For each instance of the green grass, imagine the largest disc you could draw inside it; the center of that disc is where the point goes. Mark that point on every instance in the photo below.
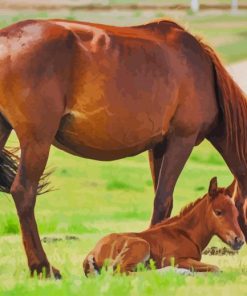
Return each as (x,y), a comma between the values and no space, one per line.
(95,198)
(68,256)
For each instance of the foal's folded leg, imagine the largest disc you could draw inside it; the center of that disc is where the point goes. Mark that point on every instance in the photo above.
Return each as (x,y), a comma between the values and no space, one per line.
(197,266)
(134,251)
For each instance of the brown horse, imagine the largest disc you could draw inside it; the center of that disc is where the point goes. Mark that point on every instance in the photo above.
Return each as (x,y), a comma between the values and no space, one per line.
(235,192)
(182,237)
(105,93)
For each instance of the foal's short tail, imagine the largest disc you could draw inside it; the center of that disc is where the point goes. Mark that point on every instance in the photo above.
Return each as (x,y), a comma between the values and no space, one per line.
(233,103)
(90,267)
(9,162)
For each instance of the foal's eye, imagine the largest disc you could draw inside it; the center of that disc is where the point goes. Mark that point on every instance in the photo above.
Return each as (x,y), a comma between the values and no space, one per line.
(218,212)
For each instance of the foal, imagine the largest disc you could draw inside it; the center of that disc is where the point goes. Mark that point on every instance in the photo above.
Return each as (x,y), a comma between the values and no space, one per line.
(182,237)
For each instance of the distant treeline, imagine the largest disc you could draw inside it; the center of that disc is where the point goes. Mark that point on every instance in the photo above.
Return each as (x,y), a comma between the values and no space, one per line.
(115,5)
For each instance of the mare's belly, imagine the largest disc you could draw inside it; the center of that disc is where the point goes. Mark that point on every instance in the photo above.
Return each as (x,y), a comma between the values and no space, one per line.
(105,135)
(120,102)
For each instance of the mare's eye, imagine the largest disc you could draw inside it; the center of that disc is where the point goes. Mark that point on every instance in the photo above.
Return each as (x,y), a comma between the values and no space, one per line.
(218,212)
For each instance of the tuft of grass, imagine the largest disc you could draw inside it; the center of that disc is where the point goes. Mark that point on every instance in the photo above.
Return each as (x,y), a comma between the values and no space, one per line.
(137,13)
(9,225)
(159,14)
(121,185)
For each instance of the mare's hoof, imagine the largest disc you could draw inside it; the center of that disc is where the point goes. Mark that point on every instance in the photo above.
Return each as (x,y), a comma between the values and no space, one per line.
(45,271)
(57,275)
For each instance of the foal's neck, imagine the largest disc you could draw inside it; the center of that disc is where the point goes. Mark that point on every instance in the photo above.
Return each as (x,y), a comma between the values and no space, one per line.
(195,225)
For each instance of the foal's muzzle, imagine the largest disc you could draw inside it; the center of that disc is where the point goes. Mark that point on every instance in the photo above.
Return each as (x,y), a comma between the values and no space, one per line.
(236,243)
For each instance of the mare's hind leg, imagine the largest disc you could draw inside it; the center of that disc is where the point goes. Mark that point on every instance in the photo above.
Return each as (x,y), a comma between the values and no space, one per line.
(32,163)
(155,160)
(177,151)
(5,130)
(35,135)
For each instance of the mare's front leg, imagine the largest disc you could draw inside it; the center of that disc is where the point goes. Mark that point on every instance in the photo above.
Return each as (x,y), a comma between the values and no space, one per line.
(175,154)
(196,266)
(41,115)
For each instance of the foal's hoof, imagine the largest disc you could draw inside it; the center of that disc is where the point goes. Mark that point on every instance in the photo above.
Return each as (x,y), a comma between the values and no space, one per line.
(215,269)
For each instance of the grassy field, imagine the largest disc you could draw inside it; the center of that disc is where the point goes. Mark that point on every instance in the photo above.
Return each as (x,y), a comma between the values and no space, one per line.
(94,198)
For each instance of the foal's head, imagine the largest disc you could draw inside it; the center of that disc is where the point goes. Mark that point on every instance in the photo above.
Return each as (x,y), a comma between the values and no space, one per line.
(222,216)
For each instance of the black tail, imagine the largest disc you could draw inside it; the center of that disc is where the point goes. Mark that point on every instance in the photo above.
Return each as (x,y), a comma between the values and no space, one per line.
(9,162)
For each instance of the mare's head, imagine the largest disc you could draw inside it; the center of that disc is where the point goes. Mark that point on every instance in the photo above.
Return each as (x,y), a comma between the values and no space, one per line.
(222,216)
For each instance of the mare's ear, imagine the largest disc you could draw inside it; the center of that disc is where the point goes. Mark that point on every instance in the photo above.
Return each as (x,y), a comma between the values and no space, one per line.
(213,187)
(231,188)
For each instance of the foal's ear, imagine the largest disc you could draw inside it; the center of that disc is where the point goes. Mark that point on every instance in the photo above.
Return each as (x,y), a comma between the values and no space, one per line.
(213,187)
(231,188)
